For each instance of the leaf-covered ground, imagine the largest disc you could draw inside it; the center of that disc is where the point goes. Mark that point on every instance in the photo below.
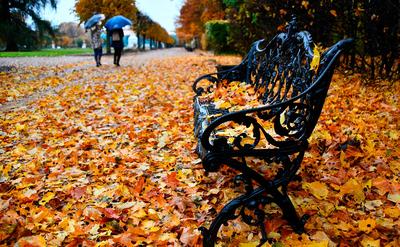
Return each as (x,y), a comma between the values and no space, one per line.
(108,159)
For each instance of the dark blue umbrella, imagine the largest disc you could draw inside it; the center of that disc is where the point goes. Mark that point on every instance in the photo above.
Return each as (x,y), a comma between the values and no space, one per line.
(117,22)
(94,20)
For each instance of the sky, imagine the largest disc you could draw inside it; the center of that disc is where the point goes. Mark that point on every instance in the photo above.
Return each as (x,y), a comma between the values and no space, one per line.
(164,12)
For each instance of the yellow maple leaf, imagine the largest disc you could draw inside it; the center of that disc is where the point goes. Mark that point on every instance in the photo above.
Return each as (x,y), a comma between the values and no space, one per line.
(21,127)
(354,188)
(367,225)
(140,213)
(46,198)
(369,147)
(370,242)
(173,221)
(393,212)
(222,104)
(321,134)
(19,150)
(316,58)
(317,189)
(395,166)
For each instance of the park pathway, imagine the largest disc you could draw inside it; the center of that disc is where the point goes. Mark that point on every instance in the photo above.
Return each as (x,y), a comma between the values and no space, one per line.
(64,66)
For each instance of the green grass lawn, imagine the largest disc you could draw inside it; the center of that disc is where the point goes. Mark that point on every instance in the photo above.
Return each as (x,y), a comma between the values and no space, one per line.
(47,52)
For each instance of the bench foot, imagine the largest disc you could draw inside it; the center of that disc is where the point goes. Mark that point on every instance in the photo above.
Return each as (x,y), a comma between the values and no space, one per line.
(254,201)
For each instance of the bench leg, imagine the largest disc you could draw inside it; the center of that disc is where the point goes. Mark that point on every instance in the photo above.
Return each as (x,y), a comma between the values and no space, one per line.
(254,200)
(289,212)
(230,212)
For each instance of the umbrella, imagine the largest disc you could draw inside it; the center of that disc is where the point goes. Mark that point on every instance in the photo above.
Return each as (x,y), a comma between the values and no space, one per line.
(94,20)
(117,22)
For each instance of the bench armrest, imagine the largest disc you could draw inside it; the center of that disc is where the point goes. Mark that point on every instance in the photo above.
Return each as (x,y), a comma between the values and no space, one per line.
(224,72)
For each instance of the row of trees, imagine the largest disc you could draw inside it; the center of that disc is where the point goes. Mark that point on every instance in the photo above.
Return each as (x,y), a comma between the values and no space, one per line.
(146,28)
(16,34)
(374,24)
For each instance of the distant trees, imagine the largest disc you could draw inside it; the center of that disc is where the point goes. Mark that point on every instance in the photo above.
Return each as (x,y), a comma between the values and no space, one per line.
(374,24)
(146,28)
(14,32)
(142,24)
(70,34)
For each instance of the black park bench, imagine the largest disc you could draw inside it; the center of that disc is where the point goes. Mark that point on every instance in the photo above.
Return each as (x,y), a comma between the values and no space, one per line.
(264,138)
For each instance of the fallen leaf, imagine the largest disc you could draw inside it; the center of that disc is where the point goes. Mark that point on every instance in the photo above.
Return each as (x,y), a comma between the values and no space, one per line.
(317,189)
(367,225)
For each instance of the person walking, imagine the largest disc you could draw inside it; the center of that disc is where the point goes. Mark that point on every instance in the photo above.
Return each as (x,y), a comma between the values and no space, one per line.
(97,43)
(117,43)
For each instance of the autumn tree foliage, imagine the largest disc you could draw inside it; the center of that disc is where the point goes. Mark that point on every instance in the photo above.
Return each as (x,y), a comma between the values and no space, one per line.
(194,14)
(146,28)
(157,35)
(373,24)
(142,24)
(86,8)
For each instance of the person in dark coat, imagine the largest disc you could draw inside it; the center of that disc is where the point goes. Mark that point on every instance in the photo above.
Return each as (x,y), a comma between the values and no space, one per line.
(117,43)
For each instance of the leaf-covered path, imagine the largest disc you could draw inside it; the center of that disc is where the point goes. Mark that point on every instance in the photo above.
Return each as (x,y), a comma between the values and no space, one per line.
(45,75)
(106,156)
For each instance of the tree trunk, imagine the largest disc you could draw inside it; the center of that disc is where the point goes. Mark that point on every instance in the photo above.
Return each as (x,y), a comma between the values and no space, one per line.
(138,41)
(372,67)
(11,43)
(5,18)
(144,42)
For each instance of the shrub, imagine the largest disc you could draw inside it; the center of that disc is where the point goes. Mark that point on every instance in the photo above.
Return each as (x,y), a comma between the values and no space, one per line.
(217,32)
